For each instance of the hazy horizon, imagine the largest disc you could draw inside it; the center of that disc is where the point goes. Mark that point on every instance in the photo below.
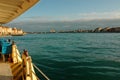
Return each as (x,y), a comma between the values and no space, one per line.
(33,26)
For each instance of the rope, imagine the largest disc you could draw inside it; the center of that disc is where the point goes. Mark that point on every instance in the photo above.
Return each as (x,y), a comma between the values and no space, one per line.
(40,71)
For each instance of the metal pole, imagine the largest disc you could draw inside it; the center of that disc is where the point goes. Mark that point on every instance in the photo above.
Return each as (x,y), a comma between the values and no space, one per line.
(41,72)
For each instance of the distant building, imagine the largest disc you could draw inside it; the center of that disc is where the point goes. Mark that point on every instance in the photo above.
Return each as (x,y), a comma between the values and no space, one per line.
(52,31)
(8,30)
(20,31)
(14,30)
(80,30)
(4,30)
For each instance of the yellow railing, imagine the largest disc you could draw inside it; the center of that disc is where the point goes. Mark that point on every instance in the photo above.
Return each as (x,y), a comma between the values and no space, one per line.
(28,66)
(29,72)
(15,54)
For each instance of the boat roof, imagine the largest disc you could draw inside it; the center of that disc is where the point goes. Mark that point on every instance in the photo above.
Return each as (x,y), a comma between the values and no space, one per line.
(10,9)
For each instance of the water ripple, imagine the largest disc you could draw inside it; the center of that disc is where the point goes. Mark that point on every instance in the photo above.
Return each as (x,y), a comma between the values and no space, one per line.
(84,56)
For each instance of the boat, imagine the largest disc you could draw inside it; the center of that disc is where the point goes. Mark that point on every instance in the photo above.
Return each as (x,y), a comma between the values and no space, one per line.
(13,65)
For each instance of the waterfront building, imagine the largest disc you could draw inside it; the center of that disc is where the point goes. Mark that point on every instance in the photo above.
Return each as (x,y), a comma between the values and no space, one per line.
(20,31)
(14,30)
(9,30)
(52,31)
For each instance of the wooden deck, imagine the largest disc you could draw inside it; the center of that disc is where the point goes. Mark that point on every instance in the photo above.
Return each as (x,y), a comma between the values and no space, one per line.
(17,71)
(9,70)
(5,71)
(13,67)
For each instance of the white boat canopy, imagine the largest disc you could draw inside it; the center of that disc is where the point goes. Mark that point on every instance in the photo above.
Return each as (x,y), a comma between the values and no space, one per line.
(10,9)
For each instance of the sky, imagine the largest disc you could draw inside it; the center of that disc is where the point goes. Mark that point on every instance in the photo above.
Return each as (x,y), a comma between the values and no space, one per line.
(70,10)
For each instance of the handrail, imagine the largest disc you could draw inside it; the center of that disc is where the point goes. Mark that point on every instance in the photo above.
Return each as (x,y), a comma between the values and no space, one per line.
(28,65)
(40,71)
(16,53)
(29,71)
(30,68)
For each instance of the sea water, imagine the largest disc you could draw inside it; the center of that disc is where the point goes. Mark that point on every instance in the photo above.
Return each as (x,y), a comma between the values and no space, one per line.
(74,56)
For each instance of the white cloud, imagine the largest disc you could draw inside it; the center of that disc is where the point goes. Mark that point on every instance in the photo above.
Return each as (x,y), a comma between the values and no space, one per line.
(81,16)
(102,15)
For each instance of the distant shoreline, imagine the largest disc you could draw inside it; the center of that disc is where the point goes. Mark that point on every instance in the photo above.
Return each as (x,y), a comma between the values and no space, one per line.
(97,30)
(67,32)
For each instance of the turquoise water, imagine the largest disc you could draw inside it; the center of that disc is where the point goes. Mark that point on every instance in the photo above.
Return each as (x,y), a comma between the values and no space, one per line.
(74,56)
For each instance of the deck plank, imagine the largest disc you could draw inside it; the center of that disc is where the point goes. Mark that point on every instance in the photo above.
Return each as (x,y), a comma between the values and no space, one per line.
(5,72)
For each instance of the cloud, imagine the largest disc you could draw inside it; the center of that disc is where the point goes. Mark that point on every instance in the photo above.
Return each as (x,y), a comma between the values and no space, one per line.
(74,17)
(102,15)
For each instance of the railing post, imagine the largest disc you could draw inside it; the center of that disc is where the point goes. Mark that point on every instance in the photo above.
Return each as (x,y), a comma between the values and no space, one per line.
(14,55)
(29,71)
(27,65)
